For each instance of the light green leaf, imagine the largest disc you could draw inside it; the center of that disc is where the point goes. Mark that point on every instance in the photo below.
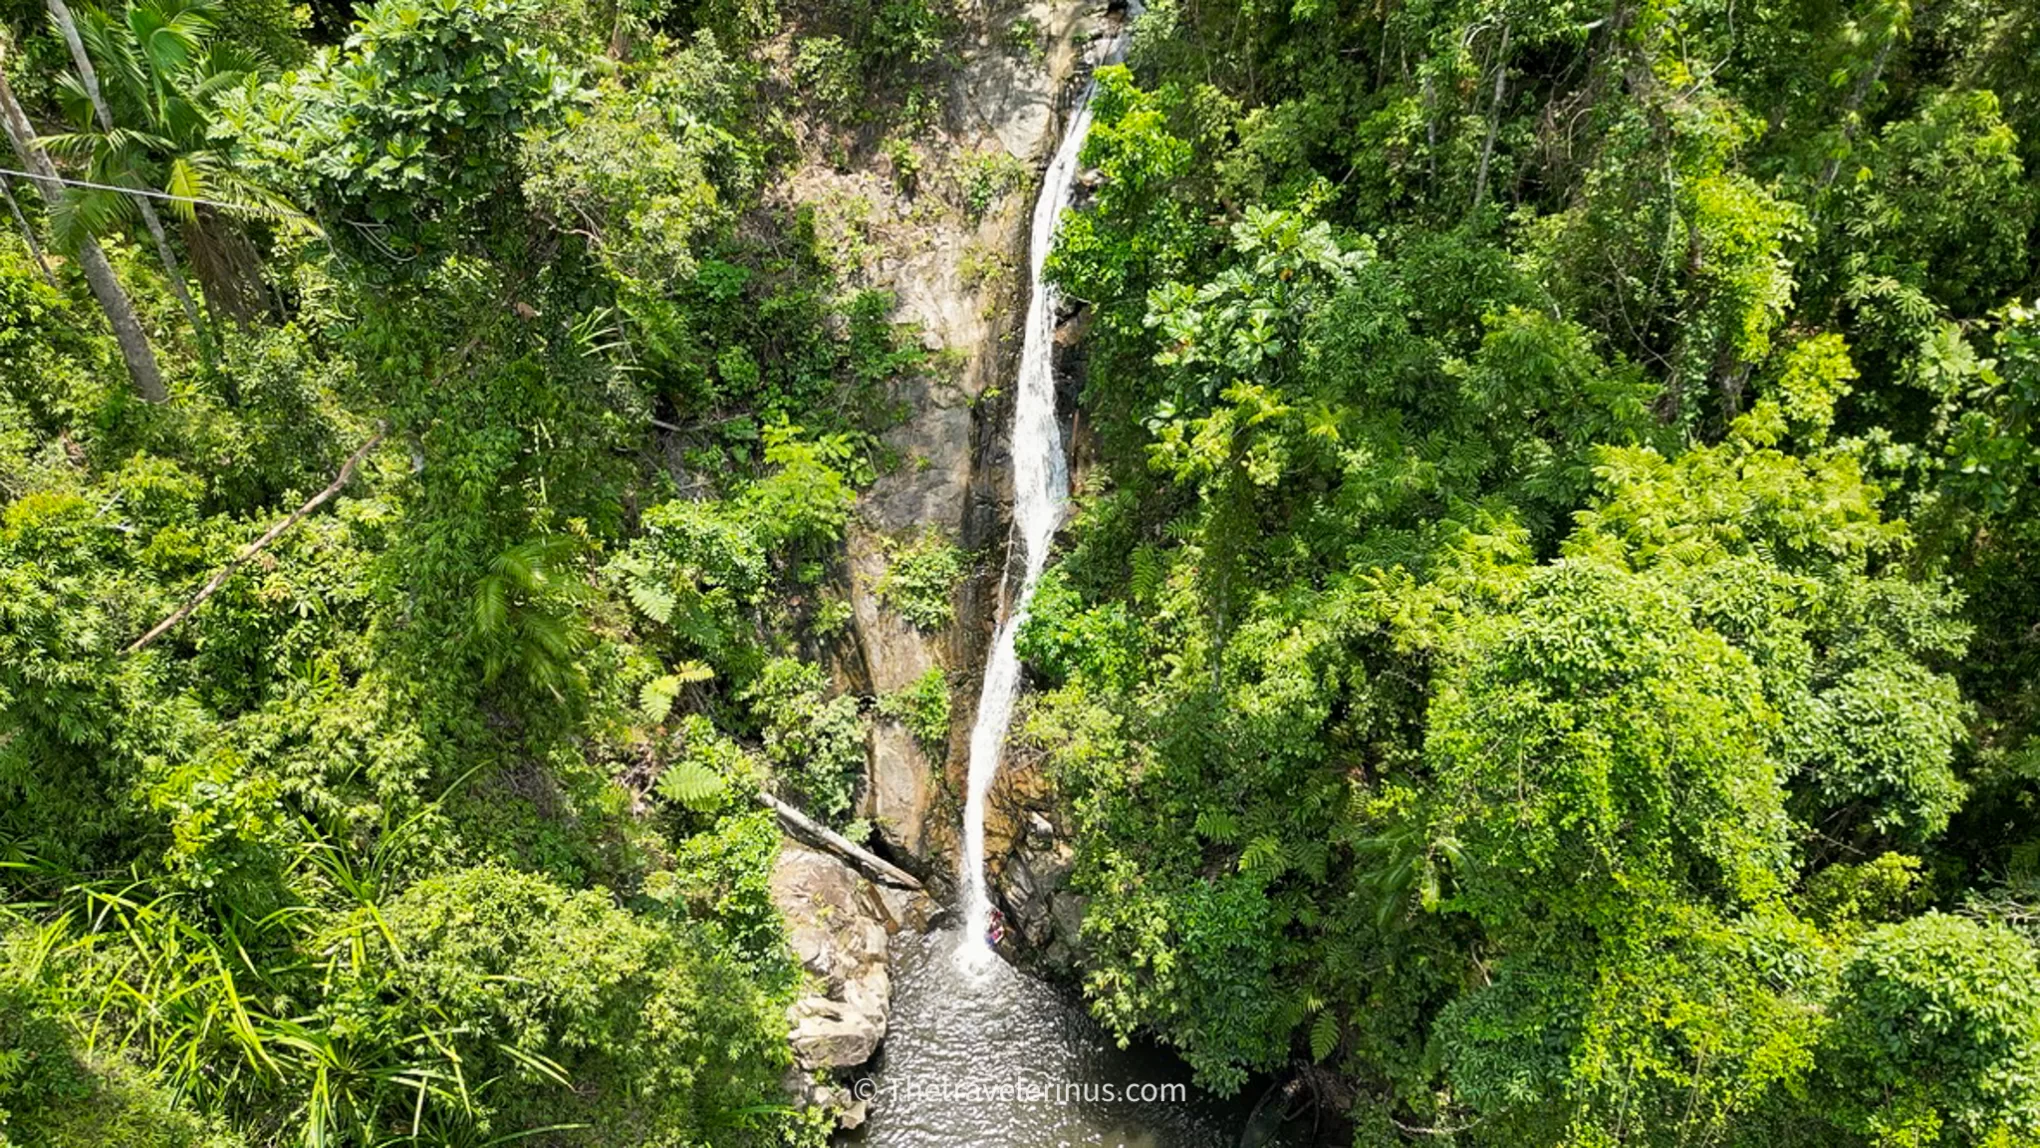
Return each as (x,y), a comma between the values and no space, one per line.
(689,783)
(1324,1035)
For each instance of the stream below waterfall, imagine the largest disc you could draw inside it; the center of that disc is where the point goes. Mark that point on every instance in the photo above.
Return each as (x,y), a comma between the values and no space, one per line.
(988,1057)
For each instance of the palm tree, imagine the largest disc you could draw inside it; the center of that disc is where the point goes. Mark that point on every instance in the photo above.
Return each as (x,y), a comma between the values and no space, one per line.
(141,106)
(120,311)
(61,14)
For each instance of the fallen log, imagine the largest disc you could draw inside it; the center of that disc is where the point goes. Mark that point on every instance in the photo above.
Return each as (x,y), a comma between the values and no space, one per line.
(874,866)
(249,551)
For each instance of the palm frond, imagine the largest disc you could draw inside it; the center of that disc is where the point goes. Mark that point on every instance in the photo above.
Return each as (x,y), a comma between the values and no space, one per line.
(188,186)
(168,34)
(77,213)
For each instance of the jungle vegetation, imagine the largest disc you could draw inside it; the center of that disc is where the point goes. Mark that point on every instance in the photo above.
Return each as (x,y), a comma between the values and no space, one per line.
(1550,638)
(433,822)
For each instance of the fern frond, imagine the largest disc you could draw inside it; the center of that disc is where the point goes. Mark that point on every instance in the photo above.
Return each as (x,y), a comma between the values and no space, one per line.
(655,697)
(1324,1035)
(690,783)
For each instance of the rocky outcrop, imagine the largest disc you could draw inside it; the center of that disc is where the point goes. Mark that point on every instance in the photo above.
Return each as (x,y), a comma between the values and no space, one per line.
(839,925)
(1034,885)
(957,270)
(1031,857)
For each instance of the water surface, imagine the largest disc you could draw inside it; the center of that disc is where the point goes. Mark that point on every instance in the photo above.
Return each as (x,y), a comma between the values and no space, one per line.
(992,1058)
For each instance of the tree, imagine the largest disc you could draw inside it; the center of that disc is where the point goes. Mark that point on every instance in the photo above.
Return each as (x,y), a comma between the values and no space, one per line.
(406,141)
(120,311)
(173,24)
(144,117)
(1936,1035)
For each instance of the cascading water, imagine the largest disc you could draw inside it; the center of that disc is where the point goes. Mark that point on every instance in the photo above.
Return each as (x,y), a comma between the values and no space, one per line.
(976,1052)
(1040,494)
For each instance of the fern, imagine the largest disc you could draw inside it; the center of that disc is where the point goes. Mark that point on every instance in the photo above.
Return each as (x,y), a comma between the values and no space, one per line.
(653,598)
(1262,857)
(655,697)
(1324,1035)
(1149,571)
(523,616)
(1217,825)
(692,784)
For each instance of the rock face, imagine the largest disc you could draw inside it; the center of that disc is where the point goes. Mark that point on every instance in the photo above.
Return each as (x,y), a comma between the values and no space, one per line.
(901,790)
(958,272)
(1031,857)
(839,925)
(956,262)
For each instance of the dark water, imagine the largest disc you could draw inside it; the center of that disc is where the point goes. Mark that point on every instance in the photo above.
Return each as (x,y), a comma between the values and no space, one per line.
(996,1059)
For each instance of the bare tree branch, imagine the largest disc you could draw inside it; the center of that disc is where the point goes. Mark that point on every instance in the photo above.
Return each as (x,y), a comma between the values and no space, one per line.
(268,536)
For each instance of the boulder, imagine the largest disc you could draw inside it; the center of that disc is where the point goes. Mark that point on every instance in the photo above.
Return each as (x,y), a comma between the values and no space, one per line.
(838,926)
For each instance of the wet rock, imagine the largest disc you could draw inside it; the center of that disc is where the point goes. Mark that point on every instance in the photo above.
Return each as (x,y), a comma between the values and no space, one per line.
(1040,832)
(840,925)
(910,912)
(959,278)
(1033,858)
(1020,793)
(1034,878)
(1067,911)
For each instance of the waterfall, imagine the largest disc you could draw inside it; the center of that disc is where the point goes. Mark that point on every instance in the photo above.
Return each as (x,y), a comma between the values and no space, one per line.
(1040,494)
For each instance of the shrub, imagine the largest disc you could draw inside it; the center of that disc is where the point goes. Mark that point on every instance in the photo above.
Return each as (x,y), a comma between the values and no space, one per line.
(923,707)
(825,74)
(814,742)
(711,770)
(649,1024)
(920,581)
(902,33)
(906,164)
(1938,1027)
(987,177)
(55,1094)
(1025,38)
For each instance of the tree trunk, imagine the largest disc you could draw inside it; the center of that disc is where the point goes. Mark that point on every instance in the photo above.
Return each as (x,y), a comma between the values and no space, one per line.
(270,535)
(1851,117)
(874,866)
(27,232)
(1487,148)
(120,313)
(61,13)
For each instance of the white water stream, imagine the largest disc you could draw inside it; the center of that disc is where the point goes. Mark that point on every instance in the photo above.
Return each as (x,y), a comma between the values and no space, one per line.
(1040,495)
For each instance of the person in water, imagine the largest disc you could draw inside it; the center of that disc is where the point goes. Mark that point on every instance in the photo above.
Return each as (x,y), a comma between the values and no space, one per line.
(995,931)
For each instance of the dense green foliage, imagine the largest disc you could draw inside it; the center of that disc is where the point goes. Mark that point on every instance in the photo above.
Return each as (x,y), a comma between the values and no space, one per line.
(920,580)
(434,824)
(1557,613)
(1550,637)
